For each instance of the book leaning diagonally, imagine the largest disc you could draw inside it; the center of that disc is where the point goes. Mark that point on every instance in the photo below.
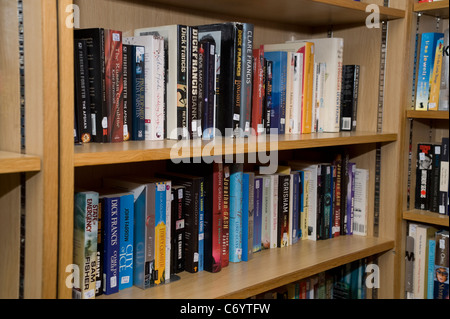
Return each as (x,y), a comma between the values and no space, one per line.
(329,51)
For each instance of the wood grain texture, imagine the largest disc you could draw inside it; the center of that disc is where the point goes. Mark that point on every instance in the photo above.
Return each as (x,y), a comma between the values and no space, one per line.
(424,216)
(268,269)
(11,162)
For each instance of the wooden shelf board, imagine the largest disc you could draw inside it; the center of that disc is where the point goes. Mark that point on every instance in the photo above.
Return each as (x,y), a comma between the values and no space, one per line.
(298,12)
(11,162)
(435,9)
(432,115)
(267,270)
(428,217)
(141,151)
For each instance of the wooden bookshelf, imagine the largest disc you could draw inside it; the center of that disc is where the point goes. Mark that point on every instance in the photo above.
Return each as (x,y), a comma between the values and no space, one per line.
(435,9)
(140,151)
(266,270)
(299,12)
(432,115)
(18,163)
(423,216)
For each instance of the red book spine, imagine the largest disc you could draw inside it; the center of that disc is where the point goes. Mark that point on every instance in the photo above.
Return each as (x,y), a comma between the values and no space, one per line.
(258,91)
(217,216)
(114,84)
(226,216)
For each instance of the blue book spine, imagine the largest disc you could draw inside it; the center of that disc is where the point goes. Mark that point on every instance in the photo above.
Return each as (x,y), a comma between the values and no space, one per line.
(426,63)
(140,229)
(430,270)
(201,228)
(245,215)
(111,245)
(257,226)
(296,229)
(126,242)
(235,244)
(279,76)
(138,93)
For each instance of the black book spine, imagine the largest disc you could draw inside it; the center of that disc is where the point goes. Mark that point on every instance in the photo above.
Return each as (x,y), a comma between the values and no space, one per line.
(349,97)
(434,182)
(82,97)
(423,175)
(247,79)
(201,87)
(237,97)
(320,203)
(443,179)
(182,103)
(193,81)
(178,227)
(268,98)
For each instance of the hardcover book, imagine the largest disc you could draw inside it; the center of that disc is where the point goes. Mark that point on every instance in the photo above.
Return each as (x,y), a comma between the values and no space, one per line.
(137,93)
(82,96)
(85,243)
(95,41)
(258,92)
(226,217)
(127,89)
(114,85)
(176,48)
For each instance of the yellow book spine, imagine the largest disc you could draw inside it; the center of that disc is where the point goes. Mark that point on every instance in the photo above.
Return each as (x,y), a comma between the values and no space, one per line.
(435,79)
(308,88)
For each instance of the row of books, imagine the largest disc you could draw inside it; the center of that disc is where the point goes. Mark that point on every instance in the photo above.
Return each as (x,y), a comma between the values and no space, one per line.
(432,184)
(144,231)
(426,262)
(180,81)
(344,282)
(432,91)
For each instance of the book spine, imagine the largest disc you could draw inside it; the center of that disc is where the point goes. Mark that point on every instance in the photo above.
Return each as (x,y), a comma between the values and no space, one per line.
(245,215)
(160,233)
(296,199)
(274,210)
(278,109)
(283,214)
(235,245)
(127,91)
(226,216)
(138,91)
(443,178)
(435,78)
(430,268)
(258,204)
(267,198)
(337,178)
(178,208)
(82,96)
(247,79)
(100,250)
(444,91)
(409,262)
(308,80)
(126,241)
(208,111)
(111,211)
(310,200)
(361,202)
(350,198)
(251,216)
(198,124)
(296,120)
(441,266)
(168,229)
(268,95)
(217,216)
(327,172)
(350,77)
(182,75)
(114,85)
(237,97)
(201,226)
(426,62)
(320,205)
(258,91)
(157,106)
(434,179)
(193,82)
(423,175)
(85,243)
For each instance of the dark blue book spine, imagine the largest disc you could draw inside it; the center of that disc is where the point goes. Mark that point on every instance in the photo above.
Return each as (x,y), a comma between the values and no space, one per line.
(111,206)
(245,215)
(296,229)
(138,93)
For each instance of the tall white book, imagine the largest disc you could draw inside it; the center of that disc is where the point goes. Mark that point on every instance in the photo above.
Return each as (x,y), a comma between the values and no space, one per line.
(361,202)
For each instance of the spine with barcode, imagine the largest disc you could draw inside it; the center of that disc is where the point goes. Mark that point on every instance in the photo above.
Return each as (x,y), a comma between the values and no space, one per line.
(349,97)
